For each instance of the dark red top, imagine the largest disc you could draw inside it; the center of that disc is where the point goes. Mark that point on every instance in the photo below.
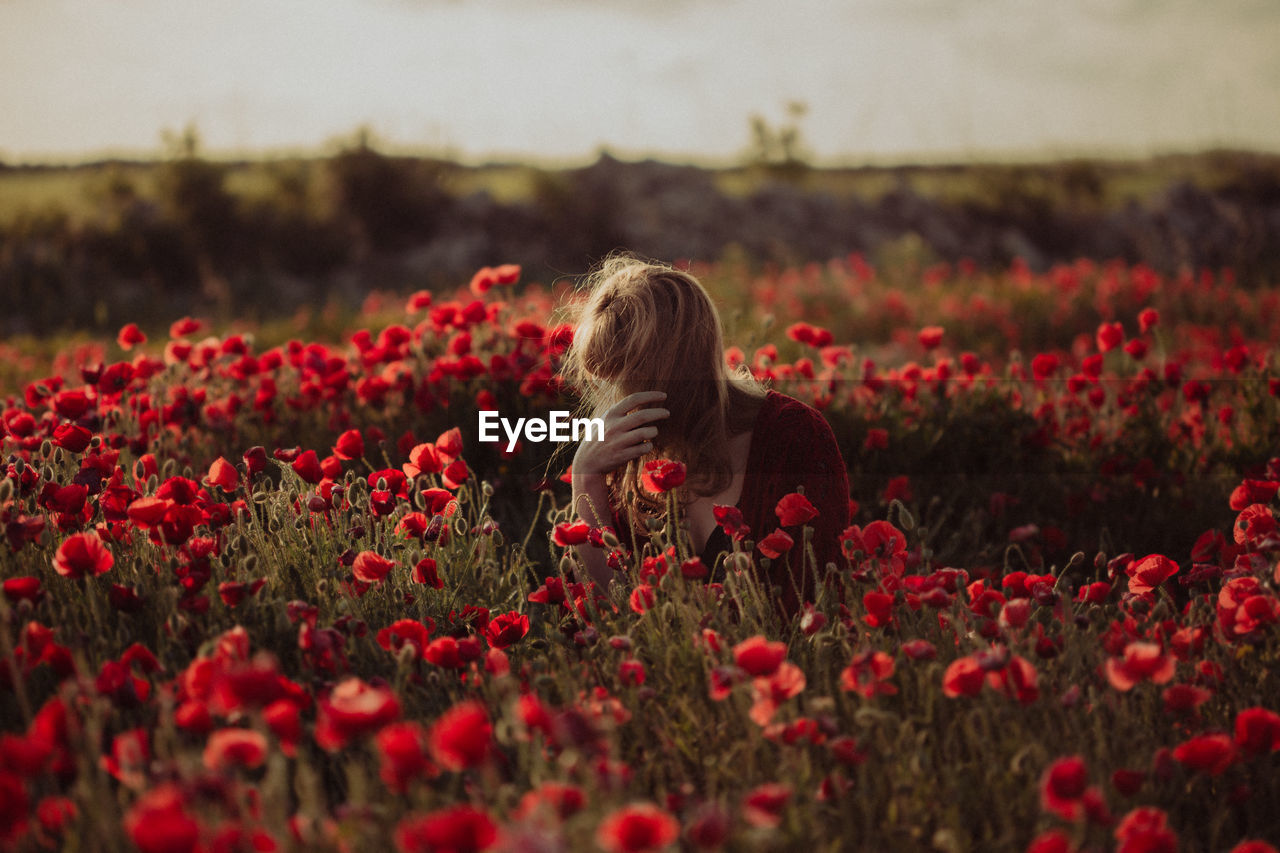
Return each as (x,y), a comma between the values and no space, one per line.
(792,445)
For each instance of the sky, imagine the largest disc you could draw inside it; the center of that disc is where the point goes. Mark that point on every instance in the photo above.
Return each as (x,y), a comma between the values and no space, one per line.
(559,80)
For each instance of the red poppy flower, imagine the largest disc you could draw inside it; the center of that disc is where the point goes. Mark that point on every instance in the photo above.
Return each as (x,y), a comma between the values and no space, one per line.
(730,520)
(455,474)
(130,336)
(461,737)
(159,823)
(642,598)
(1258,730)
(223,475)
(505,629)
(233,593)
(1148,319)
(1181,698)
(255,459)
(879,607)
(1062,786)
(1110,336)
(1136,349)
(457,829)
(1017,679)
(235,747)
(795,509)
(1145,830)
(877,439)
(182,328)
(897,489)
(440,502)
(402,747)
(81,555)
(23,588)
(1051,841)
(72,437)
(426,572)
(569,534)
(631,672)
(919,650)
(1253,492)
(693,569)
(1044,365)
(1149,572)
(443,652)
(351,710)
(805,333)
(307,466)
(868,673)
(759,657)
(963,677)
(1253,523)
(371,567)
(284,718)
(71,404)
(1211,753)
(769,692)
(775,544)
(405,632)
(350,445)
(1141,661)
(763,805)
(636,829)
(931,337)
(449,443)
(662,475)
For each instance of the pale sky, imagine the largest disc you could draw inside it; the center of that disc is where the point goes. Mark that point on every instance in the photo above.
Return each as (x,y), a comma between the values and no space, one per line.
(558,79)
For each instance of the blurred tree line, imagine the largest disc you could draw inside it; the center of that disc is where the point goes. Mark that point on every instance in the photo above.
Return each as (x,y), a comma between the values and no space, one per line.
(190,240)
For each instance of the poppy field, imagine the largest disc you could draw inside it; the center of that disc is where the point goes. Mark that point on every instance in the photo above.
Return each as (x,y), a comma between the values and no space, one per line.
(266,595)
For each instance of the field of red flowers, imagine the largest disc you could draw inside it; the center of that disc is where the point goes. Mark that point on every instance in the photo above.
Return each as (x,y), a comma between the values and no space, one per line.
(280,597)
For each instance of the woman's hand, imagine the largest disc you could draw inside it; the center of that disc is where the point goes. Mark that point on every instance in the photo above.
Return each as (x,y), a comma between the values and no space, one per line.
(628,434)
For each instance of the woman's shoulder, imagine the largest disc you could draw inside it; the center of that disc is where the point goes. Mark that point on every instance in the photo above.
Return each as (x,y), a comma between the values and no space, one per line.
(779,409)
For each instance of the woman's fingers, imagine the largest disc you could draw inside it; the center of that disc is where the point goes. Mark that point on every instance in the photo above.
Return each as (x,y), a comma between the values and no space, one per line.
(637,418)
(637,436)
(630,401)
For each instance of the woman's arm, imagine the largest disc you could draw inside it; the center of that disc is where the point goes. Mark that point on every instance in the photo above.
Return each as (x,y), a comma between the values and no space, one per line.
(628,434)
(591,504)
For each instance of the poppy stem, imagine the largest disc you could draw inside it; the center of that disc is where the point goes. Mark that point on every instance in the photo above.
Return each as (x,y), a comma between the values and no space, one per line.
(18,679)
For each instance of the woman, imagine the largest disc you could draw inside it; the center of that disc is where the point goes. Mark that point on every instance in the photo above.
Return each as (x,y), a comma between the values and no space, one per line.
(648,356)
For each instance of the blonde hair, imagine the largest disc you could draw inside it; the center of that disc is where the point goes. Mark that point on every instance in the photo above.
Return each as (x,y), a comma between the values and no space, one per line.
(647,326)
